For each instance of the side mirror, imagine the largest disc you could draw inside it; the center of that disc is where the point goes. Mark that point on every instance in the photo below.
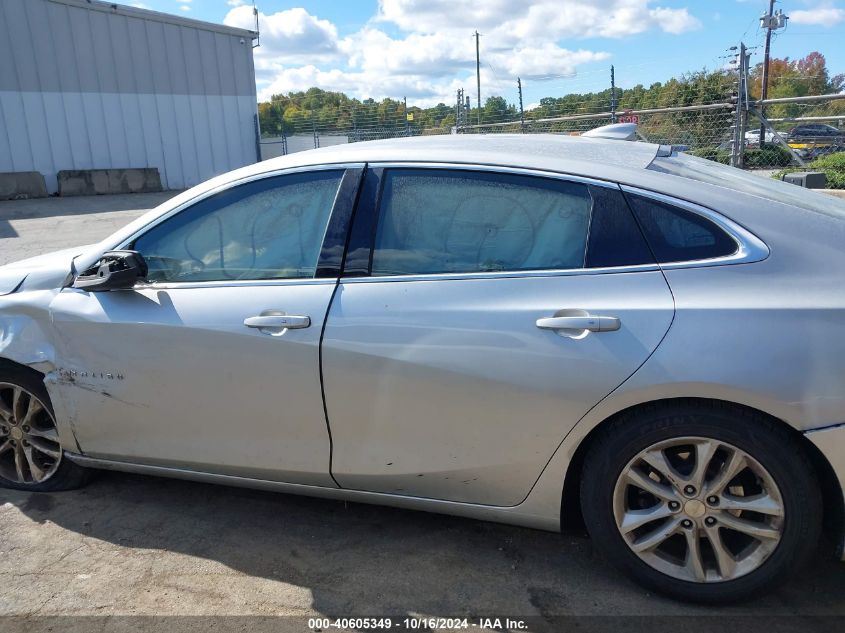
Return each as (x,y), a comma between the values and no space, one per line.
(115,270)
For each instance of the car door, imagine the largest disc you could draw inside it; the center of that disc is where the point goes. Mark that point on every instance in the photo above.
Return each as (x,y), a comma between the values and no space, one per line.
(214,364)
(481,314)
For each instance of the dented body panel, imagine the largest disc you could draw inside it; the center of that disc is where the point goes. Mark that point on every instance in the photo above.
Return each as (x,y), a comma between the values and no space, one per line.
(409,405)
(172,377)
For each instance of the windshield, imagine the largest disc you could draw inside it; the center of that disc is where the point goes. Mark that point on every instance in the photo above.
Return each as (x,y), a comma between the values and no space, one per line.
(714,173)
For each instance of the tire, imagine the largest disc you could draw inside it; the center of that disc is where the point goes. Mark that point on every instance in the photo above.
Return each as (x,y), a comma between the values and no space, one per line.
(67,475)
(615,458)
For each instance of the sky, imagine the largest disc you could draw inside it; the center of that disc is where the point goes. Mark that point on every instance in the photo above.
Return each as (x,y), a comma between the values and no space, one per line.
(424,49)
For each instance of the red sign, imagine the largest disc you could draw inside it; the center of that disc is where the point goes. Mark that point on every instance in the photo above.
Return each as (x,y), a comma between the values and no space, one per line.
(629,118)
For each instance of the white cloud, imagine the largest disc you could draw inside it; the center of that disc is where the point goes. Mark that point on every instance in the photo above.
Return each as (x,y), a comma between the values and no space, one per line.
(185,7)
(292,36)
(824,15)
(432,53)
(236,3)
(549,19)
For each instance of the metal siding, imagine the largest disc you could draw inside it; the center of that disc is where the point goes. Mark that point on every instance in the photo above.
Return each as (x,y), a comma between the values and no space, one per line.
(229,134)
(83,88)
(114,119)
(193,45)
(71,96)
(216,107)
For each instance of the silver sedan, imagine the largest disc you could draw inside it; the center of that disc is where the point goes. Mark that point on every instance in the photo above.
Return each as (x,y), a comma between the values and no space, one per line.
(500,327)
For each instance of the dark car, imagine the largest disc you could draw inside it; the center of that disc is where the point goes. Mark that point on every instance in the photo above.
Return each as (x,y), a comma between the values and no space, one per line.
(815,139)
(815,130)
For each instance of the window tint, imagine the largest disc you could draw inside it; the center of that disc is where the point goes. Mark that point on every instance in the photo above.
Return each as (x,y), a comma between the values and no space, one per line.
(442,221)
(615,238)
(268,229)
(676,235)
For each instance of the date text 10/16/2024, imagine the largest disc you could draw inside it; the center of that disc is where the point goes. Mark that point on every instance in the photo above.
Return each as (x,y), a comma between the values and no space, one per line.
(416,623)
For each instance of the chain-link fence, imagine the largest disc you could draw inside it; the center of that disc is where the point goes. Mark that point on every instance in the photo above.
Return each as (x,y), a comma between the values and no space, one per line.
(798,129)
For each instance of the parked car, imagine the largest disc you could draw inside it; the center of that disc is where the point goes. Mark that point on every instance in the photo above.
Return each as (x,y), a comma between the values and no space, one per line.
(497,327)
(816,131)
(752,137)
(814,140)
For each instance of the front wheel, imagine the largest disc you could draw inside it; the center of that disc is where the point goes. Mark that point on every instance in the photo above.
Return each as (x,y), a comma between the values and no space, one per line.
(31,457)
(701,501)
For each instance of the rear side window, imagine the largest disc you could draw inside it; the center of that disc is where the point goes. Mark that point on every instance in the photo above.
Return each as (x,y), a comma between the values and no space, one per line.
(451,221)
(615,238)
(677,235)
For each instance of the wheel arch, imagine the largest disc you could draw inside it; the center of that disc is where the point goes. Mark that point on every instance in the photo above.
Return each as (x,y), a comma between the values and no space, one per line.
(832,497)
(9,363)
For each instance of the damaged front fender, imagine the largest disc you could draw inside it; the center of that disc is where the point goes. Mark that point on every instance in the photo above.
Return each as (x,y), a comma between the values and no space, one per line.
(26,338)
(25,329)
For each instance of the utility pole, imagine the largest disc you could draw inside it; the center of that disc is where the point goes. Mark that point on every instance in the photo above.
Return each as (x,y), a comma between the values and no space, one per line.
(460,113)
(612,95)
(477,37)
(521,111)
(738,144)
(457,109)
(770,21)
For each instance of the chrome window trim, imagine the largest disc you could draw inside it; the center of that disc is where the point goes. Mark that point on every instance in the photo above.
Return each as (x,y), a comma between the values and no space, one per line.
(237,283)
(750,248)
(505,274)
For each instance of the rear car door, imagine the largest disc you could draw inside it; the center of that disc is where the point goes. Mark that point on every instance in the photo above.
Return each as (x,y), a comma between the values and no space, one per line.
(481,314)
(214,365)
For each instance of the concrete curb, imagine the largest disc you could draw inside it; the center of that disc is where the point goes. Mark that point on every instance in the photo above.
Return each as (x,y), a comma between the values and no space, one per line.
(95,182)
(839,193)
(22,185)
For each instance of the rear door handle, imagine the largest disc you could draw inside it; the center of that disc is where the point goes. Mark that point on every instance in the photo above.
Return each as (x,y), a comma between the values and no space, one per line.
(286,321)
(589,323)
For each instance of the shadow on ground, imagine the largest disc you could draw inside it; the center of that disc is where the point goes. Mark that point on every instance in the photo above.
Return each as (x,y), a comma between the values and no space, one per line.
(366,560)
(79,205)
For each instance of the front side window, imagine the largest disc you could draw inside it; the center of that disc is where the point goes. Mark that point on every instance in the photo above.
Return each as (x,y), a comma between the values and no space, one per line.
(450,221)
(267,229)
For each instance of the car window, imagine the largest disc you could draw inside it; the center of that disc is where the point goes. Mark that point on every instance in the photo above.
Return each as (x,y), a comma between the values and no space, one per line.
(267,229)
(450,221)
(677,235)
(615,239)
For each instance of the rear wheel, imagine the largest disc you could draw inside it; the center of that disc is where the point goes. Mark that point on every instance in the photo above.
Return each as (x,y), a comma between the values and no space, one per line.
(701,501)
(31,457)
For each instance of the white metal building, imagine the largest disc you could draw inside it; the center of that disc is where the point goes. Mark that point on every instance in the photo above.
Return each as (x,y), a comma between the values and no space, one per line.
(94,85)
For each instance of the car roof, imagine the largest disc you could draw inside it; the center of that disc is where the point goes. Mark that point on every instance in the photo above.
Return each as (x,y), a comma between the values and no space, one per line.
(550,152)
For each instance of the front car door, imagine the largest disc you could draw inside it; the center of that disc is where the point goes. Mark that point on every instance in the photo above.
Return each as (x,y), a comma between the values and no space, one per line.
(457,353)
(214,364)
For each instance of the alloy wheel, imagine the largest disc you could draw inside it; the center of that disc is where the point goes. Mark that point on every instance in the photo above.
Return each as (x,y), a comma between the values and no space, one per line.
(29,442)
(698,509)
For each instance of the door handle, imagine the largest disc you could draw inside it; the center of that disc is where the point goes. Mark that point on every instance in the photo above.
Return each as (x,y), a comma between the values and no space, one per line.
(589,323)
(285,321)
